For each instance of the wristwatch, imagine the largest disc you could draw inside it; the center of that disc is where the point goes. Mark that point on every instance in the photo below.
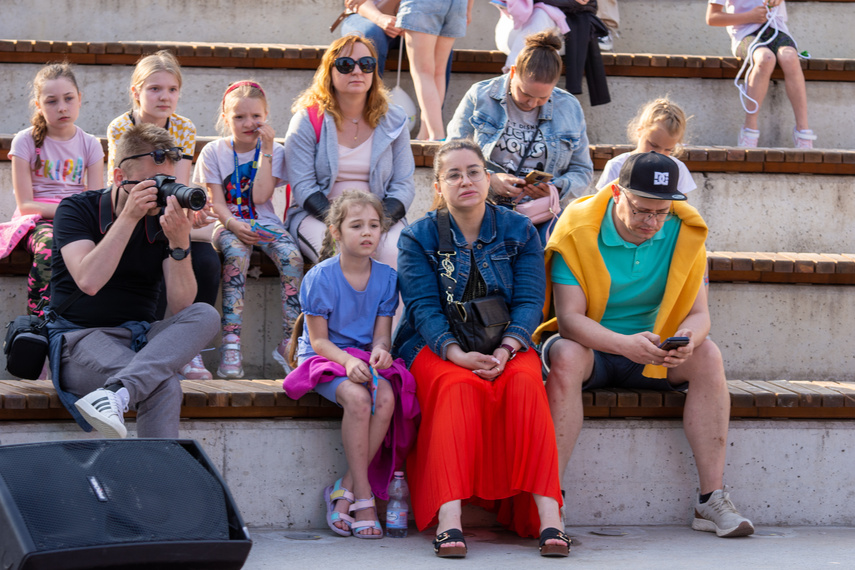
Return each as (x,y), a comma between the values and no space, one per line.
(178,254)
(511,351)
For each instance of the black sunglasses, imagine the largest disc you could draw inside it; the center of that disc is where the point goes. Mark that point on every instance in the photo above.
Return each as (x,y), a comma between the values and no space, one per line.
(159,155)
(346,65)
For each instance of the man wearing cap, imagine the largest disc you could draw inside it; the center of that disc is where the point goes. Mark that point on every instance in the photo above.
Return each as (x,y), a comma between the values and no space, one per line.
(626,268)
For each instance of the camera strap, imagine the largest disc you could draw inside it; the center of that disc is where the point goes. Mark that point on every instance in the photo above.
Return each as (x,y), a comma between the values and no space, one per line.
(236,192)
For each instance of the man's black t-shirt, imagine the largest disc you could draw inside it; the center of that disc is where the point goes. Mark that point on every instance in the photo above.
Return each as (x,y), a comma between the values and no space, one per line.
(131,293)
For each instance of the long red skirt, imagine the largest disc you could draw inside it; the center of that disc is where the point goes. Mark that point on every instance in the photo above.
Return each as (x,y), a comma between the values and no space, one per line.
(491,443)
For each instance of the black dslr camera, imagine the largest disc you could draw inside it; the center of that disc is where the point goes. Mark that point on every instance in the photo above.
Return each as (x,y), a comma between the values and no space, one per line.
(193,198)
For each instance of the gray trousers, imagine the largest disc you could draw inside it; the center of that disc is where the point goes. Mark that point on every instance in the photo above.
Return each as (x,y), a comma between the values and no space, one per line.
(94,358)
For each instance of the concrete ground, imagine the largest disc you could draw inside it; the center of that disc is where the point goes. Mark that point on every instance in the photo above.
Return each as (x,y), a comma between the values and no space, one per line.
(638,547)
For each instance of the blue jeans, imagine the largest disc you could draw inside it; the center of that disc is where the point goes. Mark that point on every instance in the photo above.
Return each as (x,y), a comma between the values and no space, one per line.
(356,24)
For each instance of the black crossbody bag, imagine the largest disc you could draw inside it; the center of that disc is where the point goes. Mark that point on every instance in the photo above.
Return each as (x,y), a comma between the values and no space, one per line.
(478,325)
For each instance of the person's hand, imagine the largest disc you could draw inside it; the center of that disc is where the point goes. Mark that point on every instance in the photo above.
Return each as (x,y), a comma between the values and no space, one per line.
(537,190)
(506,185)
(142,197)
(756,15)
(353,5)
(678,356)
(387,23)
(484,365)
(643,348)
(773,3)
(380,358)
(266,134)
(204,217)
(357,370)
(176,224)
(243,231)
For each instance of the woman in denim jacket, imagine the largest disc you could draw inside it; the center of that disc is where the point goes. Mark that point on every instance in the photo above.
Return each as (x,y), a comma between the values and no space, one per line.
(486,433)
(346,135)
(505,113)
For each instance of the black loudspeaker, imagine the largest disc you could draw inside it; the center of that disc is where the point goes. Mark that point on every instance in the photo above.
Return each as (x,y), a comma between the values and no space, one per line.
(127,503)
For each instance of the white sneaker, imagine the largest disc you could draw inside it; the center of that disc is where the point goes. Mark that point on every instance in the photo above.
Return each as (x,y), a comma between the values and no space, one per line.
(718,515)
(606,43)
(803,139)
(103,409)
(748,138)
(280,355)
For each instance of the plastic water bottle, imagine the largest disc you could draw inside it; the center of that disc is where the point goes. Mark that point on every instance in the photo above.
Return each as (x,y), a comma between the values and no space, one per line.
(397,511)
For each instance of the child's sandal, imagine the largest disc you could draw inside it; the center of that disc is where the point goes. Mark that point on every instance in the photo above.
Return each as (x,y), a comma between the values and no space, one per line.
(451,535)
(551,533)
(361,505)
(332,494)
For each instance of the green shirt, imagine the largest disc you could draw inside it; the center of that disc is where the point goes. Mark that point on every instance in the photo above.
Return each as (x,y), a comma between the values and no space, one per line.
(638,274)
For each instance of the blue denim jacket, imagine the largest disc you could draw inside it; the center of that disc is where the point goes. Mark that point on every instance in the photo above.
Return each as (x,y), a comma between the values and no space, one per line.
(510,258)
(483,114)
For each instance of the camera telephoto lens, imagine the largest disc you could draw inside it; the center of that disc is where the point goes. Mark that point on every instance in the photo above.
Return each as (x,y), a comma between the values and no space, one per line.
(188,197)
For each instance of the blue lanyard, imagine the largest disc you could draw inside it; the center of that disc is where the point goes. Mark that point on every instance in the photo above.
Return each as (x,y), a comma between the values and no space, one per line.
(237,195)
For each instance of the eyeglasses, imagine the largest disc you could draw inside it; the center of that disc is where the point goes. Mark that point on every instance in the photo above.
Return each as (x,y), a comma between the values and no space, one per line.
(346,65)
(455,178)
(647,216)
(159,155)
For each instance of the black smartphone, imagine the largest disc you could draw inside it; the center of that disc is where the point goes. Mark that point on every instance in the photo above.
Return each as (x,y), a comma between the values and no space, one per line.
(674,342)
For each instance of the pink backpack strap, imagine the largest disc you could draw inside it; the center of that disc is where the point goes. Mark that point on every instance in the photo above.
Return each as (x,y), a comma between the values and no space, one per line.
(317,119)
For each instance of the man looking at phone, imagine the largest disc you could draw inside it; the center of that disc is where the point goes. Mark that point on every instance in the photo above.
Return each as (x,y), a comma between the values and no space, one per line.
(627,268)
(116,246)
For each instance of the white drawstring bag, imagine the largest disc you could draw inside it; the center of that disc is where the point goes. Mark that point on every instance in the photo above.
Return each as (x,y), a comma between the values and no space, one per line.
(399,96)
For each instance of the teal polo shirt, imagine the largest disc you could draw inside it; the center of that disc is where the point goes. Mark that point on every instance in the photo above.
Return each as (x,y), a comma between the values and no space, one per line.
(638,275)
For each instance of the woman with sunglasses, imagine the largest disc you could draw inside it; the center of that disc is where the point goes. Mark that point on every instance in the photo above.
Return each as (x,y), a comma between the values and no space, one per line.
(346,135)
(524,123)
(486,435)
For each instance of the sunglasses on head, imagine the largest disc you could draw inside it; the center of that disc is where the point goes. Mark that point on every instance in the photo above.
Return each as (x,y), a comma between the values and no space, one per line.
(346,65)
(159,155)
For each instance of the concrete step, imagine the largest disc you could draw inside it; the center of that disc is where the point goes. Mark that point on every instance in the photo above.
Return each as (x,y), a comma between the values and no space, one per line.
(623,472)
(820,27)
(713,103)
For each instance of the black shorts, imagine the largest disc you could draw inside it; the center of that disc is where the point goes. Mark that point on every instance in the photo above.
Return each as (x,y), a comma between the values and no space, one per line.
(781,40)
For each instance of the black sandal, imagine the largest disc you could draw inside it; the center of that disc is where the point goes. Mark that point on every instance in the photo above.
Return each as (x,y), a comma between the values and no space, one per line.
(451,535)
(554,549)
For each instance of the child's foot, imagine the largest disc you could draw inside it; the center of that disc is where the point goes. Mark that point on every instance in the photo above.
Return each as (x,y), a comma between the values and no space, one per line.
(748,138)
(280,354)
(338,500)
(195,370)
(366,524)
(803,139)
(231,361)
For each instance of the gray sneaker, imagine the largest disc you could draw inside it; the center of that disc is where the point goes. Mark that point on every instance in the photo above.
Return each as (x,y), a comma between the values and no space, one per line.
(718,515)
(103,409)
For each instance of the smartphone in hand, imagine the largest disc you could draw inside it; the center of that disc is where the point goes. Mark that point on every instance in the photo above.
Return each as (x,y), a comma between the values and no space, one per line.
(673,342)
(536,177)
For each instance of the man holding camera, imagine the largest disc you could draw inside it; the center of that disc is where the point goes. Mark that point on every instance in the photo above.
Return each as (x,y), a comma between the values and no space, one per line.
(627,269)
(111,250)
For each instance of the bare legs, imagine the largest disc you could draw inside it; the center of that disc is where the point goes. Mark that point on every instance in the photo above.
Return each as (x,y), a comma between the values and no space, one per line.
(428,56)
(794,83)
(362,434)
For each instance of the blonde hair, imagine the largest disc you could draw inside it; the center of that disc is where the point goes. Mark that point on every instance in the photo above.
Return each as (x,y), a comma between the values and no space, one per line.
(322,93)
(237,90)
(163,60)
(539,60)
(47,73)
(335,217)
(439,159)
(660,111)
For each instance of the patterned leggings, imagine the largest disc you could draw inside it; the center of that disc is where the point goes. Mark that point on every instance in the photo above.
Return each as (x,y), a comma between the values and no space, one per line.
(39,243)
(236,254)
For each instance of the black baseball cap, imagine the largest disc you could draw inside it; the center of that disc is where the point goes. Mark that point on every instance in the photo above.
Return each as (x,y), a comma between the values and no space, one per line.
(651,175)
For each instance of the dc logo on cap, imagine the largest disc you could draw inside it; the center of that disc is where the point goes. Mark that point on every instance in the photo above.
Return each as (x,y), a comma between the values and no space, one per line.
(660,178)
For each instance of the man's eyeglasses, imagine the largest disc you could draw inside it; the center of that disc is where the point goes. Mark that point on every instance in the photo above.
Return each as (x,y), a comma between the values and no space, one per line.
(647,216)
(159,155)
(346,65)
(455,178)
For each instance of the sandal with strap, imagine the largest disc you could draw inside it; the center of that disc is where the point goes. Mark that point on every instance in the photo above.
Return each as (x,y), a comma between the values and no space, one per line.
(451,535)
(551,533)
(332,494)
(361,505)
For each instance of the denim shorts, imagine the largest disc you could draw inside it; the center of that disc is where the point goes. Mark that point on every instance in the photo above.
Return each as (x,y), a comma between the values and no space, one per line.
(781,40)
(615,371)
(435,17)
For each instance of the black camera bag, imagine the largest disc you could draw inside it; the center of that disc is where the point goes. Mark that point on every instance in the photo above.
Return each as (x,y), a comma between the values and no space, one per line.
(26,346)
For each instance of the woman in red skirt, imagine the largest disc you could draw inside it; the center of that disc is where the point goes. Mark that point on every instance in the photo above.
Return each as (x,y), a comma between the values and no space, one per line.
(486,434)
